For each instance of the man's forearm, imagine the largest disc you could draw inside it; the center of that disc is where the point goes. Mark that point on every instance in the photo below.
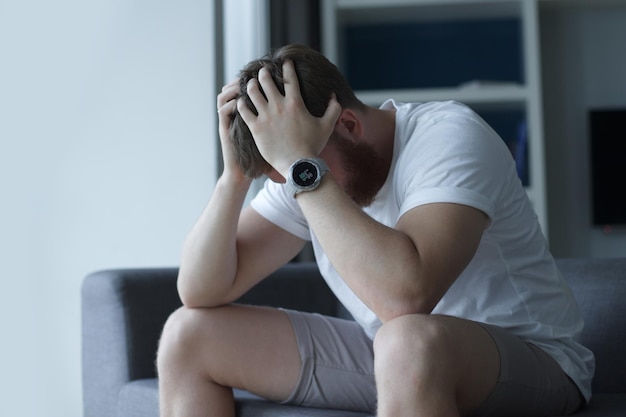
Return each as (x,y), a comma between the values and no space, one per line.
(209,258)
(379,263)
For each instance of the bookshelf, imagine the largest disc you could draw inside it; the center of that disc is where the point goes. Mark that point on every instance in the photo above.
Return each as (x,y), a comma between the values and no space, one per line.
(483,53)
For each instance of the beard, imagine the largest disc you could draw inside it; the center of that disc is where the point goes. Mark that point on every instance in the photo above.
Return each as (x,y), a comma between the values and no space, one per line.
(364,169)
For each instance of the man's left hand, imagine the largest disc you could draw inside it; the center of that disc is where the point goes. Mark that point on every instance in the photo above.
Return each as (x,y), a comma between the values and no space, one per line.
(284,130)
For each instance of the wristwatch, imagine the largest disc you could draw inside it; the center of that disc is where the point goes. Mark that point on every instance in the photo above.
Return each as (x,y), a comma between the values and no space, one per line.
(305,175)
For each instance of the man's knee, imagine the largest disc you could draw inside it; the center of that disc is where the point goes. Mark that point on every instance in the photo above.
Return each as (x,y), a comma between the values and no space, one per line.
(416,348)
(416,336)
(182,333)
(441,353)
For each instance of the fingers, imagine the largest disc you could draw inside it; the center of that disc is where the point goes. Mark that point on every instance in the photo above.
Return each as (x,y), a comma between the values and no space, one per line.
(268,85)
(246,114)
(290,79)
(332,112)
(226,104)
(229,92)
(225,111)
(264,90)
(255,95)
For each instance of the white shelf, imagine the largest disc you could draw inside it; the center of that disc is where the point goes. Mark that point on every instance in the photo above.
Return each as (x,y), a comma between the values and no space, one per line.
(507,96)
(339,14)
(364,11)
(361,4)
(579,4)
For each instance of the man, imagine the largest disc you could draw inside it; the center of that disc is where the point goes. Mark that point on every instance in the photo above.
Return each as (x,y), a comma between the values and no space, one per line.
(421,228)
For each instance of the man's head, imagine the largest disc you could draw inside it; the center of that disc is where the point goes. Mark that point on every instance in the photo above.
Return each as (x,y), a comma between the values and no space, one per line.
(318,79)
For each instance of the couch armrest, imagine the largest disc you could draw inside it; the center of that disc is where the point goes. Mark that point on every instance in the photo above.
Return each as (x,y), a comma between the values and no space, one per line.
(123,312)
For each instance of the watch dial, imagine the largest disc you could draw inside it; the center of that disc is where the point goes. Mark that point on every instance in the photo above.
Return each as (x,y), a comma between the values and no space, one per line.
(304,174)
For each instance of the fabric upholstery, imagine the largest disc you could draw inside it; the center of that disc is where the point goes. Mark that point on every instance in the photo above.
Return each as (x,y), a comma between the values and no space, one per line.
(599,286)
(123,312)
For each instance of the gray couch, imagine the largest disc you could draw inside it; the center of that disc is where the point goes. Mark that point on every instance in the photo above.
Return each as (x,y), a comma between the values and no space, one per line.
(123,312)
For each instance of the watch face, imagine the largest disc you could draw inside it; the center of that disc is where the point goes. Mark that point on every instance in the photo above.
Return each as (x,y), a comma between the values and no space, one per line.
(304,174)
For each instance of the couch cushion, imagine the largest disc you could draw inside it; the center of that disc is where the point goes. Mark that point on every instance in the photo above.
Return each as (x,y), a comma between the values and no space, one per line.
(141,399)
(605,405)
(599,286)
(251,407)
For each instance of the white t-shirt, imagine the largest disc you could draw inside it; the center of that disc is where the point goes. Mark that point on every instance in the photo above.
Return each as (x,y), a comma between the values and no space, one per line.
(445,153)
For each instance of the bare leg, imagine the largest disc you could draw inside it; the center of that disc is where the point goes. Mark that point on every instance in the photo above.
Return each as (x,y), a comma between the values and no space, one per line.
(205,352)
(436,366)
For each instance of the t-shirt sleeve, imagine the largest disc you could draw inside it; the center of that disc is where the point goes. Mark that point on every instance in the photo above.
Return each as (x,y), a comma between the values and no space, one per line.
(458,159)
(273,203)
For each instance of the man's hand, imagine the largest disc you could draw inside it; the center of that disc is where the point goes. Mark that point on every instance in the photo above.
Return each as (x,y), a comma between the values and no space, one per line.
(226,105)
(284,130)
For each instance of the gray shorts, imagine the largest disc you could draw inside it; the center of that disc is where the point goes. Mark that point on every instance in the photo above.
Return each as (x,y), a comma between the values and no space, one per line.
(338,372)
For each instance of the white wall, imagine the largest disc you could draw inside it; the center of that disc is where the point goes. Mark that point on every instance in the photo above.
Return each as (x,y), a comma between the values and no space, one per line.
(584,67)
(107,155)
(246,37)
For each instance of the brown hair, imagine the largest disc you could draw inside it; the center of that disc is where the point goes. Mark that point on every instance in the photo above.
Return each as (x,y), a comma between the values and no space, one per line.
(318,79)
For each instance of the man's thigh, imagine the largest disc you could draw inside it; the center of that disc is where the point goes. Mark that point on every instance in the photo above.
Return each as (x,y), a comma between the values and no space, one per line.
(531,382)
(499,373)
(246,347)
(338,368)
(337,364)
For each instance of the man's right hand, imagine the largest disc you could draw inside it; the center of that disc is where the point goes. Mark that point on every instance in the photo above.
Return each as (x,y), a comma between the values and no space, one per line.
(226,105)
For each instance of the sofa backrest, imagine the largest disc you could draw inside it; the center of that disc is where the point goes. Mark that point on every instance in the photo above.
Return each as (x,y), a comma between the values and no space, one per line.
(599,286)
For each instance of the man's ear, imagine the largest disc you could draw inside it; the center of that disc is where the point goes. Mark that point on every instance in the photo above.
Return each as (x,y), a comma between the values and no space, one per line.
(349,124)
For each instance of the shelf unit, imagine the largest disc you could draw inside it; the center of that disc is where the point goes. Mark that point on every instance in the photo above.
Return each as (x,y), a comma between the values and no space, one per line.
(347,24)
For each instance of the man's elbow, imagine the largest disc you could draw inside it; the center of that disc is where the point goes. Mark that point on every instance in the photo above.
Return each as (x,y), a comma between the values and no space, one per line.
(404,307)
(193,298)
